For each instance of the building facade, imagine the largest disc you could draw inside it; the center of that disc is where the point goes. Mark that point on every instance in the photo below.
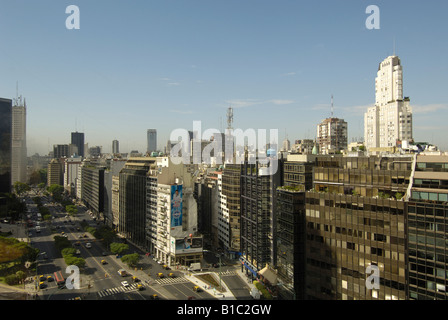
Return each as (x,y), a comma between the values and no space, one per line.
(257,223)
(356,218)
(291,243)
(78,141)
(332,135)
(229,220)
(92,190)
(427,229)
(5,144)
(55,172)
(71,166)
(19,151)
(132,199)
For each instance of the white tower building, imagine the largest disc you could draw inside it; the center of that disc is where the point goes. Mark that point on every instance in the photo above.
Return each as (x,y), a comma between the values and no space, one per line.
(389,121)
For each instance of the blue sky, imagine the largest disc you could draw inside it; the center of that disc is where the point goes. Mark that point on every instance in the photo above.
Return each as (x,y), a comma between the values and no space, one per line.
(135,65)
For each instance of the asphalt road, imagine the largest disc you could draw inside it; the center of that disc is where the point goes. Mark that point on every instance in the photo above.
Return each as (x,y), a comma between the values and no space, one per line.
(101,281)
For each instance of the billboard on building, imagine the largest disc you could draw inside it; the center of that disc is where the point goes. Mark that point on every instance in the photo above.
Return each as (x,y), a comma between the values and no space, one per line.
(176,206)
(187,244)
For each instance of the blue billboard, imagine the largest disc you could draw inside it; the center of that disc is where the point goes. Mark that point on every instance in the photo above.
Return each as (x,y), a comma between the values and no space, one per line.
(176,206)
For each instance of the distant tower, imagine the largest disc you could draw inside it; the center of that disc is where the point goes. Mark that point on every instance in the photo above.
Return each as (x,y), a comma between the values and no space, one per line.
(115,147)
(78,140)
(151,140)
(19,153)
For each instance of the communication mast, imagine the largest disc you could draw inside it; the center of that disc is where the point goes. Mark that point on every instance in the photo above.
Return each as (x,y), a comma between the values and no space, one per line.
(332,107)
(230,118)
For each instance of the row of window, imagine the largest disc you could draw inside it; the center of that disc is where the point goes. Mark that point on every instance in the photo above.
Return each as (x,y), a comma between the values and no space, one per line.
(429,196)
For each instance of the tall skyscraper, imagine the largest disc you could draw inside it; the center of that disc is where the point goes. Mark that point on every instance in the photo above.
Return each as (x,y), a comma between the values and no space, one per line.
(5,144)
(115,147)
(78,140)
(389,121)
(152,140)
(19,160)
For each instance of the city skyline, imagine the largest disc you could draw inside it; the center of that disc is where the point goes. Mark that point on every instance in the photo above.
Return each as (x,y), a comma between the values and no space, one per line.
(164,65)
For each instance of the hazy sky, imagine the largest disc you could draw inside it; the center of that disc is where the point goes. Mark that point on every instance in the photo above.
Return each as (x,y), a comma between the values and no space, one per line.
(135,65)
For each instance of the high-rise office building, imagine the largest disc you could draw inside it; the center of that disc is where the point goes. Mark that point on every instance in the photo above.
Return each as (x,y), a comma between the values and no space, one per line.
(5,144)
(78,140)
(61,151)
(132,199)
(427,229)
(355,222)
(19,155)
(92,176)
(257,222)
(332,135)
(55,173)
(389,121)
(151,140)
(229,209)
(291,241)
(115,147)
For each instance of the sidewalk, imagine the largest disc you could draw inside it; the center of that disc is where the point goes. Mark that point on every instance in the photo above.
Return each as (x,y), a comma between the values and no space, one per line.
(226,295)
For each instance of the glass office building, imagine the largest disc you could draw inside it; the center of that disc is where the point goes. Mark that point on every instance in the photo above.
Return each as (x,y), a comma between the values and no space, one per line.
(355,218)
(427,226)
(5,144)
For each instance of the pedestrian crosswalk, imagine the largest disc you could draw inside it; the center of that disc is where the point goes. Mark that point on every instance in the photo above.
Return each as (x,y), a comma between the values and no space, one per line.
(172,280)
(228,273)
(111,291)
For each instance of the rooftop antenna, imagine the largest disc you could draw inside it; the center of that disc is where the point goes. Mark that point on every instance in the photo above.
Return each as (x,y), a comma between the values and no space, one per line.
(332,107)
(394,46)
(230,118)
(18,99)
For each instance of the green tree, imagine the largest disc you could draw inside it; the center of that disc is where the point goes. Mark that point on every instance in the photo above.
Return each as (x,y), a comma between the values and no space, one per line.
(131,259)
(106,234)
(20,275)
(71,260)
(71,209)
(68,251)
(20,187)
(118,248)
(56,191)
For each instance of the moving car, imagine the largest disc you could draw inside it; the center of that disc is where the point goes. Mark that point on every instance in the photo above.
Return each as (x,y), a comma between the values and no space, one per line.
(124,283)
